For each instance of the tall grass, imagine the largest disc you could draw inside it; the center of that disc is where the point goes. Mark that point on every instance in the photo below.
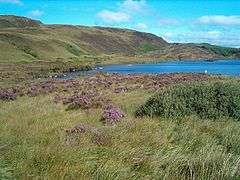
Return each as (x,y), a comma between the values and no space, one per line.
(33,143)
(5,172)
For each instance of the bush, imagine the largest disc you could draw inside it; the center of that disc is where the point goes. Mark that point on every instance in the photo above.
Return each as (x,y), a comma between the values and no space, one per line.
(220,99)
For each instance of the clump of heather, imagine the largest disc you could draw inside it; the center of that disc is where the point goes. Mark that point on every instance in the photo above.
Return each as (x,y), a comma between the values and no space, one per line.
(42,88)
(84,100)
(8,94)
(77,101)
(112,115)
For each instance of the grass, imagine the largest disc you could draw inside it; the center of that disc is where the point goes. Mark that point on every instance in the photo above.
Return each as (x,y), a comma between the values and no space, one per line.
(33,145)
(146,47)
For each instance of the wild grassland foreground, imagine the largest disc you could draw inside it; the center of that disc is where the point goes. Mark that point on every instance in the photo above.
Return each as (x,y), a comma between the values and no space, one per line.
(86,128)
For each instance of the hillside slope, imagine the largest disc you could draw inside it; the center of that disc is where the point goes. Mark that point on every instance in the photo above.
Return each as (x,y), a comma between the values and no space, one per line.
(51,42)
(23,39)
(195,52)
(9,21)
(59,41)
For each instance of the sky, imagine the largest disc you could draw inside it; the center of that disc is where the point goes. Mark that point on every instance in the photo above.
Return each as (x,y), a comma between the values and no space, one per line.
(210,21)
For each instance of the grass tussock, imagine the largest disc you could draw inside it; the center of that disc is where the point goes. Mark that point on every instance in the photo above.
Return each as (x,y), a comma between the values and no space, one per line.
(207,100)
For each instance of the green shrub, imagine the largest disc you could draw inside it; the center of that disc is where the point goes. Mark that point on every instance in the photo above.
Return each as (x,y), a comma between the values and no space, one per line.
(220,99)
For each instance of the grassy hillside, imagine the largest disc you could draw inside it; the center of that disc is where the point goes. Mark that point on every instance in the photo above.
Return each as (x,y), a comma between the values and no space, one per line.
(53,42)
(30,49)
(224,51)
(23,39)
(10,21)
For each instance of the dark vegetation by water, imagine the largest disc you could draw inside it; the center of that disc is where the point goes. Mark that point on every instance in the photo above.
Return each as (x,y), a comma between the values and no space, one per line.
(207,100)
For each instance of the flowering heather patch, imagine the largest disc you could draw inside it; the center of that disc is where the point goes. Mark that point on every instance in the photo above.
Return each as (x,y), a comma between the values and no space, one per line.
(8,94)
(69,84)
(84,100)
(112,115)
(41,88)
(120,83)
(117,83)
(77,101)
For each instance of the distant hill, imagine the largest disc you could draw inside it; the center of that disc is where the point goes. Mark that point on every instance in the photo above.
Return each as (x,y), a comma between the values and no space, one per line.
(24,39)
(9,21)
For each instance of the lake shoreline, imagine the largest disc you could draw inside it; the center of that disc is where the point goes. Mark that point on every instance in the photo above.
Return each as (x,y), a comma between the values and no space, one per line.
(214,67)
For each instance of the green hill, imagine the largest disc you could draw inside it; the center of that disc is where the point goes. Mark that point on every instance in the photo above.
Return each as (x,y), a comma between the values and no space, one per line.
(23,39)
(9,21)
(40,49)
(52,42)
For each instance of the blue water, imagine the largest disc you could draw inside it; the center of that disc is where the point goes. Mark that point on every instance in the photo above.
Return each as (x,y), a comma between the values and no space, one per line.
(221,67)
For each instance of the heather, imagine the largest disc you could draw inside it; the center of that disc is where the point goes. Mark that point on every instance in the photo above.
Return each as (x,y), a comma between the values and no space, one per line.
(84,100)
(86,128)
(8,94)
(95,85)
(207,100)
(112,115)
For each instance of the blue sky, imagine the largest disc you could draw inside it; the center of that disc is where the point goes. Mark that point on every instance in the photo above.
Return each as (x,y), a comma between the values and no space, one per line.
(212,21)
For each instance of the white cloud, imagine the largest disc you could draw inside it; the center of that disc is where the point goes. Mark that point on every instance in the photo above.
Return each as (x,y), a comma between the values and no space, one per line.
(220,20)
(113,17)
(213,34)
(36,13)
(124,12)
(226,38)
(168,22)
(141,26)
(17,2)
(168,36)
(133,5)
